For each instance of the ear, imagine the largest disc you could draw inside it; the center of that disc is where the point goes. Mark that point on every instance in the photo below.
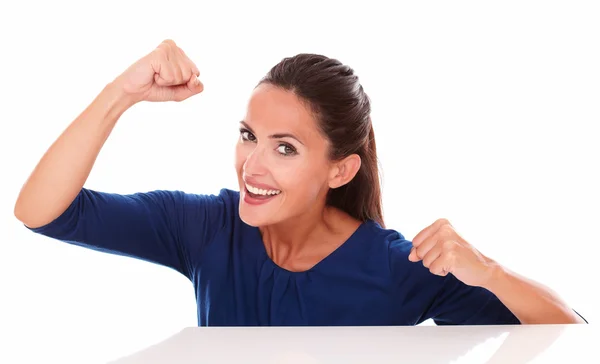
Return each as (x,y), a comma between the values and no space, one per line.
(343,171)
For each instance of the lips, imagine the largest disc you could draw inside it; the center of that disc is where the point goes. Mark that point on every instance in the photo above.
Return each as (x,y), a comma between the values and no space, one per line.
(261,191)
(257,193)
(258,185)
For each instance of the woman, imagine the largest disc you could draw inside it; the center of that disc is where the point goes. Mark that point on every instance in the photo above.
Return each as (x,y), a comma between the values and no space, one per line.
(303,242)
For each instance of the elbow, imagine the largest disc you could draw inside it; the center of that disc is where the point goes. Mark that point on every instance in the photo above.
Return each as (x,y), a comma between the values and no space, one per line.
(21,215)
(24,215)
(573,319)
(562,318)
(571,316)
(18,210)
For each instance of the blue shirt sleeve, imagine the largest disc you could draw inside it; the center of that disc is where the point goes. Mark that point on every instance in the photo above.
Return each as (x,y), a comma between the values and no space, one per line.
(459,304)
(446,300)
(169,228)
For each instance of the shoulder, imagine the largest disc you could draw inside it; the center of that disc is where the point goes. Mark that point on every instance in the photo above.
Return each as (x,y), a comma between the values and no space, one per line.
(395,247)
(162,198)
(214,210)
(390,242)
(163,207)
(224,198)
(199,218)
(179,200)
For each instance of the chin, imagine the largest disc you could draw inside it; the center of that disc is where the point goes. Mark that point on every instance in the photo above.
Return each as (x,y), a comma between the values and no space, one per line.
(250,221)
(253,218)
(256,215)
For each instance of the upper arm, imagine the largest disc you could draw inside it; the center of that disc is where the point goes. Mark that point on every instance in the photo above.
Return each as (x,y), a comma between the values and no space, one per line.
(169,228)
(459,304)
(446,300)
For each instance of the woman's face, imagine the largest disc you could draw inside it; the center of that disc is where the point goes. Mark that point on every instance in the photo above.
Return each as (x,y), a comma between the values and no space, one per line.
(281,159)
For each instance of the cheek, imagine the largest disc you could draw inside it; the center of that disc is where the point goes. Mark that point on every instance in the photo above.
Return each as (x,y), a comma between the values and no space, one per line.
(304,181)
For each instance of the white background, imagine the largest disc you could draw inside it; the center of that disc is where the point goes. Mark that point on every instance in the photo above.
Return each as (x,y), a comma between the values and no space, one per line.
(485,113)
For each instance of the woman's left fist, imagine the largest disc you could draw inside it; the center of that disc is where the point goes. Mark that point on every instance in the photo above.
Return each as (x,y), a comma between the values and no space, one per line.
(444,251)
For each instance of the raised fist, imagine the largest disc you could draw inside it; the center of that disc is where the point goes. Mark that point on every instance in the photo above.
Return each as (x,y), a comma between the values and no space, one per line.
(165,74)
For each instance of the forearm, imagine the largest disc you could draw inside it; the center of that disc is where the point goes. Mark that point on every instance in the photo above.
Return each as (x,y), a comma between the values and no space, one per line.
(62,171)
(529,301)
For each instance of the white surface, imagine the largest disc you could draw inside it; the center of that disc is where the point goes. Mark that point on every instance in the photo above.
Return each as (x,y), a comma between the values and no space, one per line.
(421,344)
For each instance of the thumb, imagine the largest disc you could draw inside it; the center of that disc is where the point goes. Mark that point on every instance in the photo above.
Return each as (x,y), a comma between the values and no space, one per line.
(193,87)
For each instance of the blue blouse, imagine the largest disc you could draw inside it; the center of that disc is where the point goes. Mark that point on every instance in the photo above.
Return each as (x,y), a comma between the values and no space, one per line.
(366,281)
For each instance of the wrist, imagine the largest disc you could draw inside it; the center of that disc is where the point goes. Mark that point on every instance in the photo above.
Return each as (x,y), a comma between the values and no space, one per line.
(117,98)
(108,106)
(496,277)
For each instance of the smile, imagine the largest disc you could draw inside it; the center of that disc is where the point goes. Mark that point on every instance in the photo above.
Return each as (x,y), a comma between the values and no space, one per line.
(259,196)
(260,192)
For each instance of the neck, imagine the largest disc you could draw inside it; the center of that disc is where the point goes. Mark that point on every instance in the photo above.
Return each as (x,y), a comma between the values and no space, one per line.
(291,237)
(300,243)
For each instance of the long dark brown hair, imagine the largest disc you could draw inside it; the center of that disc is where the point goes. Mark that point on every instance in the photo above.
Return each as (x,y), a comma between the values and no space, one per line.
(343,109)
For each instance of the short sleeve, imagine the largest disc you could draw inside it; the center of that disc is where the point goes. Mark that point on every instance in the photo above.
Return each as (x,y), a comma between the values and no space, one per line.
(459,304)
(169,228)
(424,295)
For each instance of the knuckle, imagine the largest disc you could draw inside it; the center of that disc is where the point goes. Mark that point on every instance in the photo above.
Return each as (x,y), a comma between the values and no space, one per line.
(161,52)
(449,246)
(168,48)
(443,221)
(446,231)
(167,77)
(179,76)
(452,257)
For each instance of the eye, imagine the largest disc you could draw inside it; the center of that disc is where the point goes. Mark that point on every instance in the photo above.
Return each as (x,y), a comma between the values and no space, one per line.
(247,135)
(286,150)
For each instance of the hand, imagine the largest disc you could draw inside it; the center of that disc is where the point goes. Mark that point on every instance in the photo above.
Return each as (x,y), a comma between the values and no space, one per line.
(443,251)
(165,74)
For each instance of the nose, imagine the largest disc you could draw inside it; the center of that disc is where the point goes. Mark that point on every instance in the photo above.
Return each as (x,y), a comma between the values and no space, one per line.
(254,165)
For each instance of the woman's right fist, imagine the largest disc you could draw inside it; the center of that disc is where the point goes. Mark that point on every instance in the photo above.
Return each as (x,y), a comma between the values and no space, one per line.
(165,74)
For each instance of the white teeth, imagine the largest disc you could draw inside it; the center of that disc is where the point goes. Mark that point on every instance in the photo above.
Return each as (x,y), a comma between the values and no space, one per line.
(260,191)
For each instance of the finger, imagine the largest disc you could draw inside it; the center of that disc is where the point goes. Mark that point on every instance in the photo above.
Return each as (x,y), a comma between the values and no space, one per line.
(166,77)
(428,231)
(427,245)
(179,73)
(195,85)
(188,62)
(184,64)
(195,69)
(438,268)
(173,58)
(186,72)
(165,73)
(188,90)
(443,264)
(432,255)
(413,255)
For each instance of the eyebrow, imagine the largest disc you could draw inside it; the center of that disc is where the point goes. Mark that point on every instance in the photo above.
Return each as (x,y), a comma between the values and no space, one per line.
(274,136)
